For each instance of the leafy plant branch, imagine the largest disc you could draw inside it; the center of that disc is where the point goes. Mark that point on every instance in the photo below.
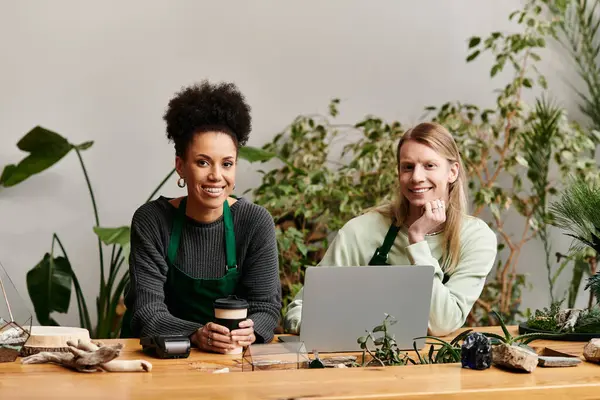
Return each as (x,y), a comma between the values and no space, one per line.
(496,144)
(50,282)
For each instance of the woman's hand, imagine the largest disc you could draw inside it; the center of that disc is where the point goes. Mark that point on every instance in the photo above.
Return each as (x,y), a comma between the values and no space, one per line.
(213,337)
(245,335)
(433,216)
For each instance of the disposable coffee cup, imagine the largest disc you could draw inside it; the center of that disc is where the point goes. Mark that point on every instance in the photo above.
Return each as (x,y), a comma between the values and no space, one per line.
(229,312)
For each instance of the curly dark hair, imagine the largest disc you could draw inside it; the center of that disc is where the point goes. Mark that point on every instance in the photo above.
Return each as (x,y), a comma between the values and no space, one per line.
(207,107)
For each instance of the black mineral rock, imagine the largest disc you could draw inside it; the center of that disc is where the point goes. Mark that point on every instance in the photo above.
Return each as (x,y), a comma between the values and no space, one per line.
(476,351)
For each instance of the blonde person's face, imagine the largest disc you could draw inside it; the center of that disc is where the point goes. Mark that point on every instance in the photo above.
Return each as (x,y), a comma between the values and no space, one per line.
(424,174)
(209,168)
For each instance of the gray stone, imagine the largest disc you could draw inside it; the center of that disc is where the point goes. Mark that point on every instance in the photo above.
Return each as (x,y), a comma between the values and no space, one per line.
(549,361)
(591,351)
(514,357)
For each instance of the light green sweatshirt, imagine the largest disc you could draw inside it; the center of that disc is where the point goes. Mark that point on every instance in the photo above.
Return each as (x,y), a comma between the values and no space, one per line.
(451,302)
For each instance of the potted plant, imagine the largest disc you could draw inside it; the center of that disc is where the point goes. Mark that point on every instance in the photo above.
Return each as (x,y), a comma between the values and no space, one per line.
(576,212)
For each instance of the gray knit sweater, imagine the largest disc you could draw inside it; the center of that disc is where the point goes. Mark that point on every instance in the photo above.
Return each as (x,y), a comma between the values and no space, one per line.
(201,254)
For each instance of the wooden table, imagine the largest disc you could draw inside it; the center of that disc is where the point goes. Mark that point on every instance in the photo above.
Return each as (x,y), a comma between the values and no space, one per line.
(190,378)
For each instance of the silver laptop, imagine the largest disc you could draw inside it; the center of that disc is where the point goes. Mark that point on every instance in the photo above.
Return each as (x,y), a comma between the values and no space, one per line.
(340,303)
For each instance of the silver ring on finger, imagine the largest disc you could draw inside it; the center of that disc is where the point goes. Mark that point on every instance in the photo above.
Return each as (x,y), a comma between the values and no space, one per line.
(209,342)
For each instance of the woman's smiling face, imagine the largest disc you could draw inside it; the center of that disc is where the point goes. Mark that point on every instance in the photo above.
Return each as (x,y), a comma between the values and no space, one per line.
(209,168)
(424,174)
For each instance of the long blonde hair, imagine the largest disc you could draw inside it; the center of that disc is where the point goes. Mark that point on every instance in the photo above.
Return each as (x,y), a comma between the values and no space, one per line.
(441,141)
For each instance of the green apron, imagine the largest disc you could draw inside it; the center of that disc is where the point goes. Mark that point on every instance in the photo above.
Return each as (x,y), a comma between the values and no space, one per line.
(381,253)
(189,298)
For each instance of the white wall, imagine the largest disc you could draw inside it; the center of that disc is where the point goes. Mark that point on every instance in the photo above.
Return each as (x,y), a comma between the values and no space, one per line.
(104,71)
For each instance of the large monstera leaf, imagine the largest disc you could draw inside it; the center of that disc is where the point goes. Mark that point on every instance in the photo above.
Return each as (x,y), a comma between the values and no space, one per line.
(49,285)
(45,149)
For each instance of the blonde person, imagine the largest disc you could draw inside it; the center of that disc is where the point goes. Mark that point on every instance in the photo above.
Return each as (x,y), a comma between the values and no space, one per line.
(426,224)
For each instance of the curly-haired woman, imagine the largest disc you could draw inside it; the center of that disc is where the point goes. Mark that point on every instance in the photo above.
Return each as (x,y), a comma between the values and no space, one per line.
(186,252)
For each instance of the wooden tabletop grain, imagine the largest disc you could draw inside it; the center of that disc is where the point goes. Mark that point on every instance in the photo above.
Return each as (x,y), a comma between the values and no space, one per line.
(193,378)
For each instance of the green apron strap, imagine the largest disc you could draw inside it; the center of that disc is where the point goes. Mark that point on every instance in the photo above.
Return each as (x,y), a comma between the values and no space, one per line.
(381,254)
(229,236)
(176,231)
(178,227)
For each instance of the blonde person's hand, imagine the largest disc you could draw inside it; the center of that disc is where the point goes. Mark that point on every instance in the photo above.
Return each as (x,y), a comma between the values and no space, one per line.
(213,337)
(434,215)
(245,335)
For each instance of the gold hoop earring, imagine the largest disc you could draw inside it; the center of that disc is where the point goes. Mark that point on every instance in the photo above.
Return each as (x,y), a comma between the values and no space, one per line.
(181,182)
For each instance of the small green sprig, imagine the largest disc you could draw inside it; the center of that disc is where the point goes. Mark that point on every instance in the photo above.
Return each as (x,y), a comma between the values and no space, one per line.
(386,351)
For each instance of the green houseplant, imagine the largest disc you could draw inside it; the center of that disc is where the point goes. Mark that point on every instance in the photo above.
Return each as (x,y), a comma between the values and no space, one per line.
(579,22)
(576,213)
(380,348)
(51,280)
(326,188)
(318,189)
(514,140)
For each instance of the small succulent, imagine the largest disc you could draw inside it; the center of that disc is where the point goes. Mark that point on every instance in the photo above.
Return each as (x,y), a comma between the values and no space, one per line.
(519,340)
